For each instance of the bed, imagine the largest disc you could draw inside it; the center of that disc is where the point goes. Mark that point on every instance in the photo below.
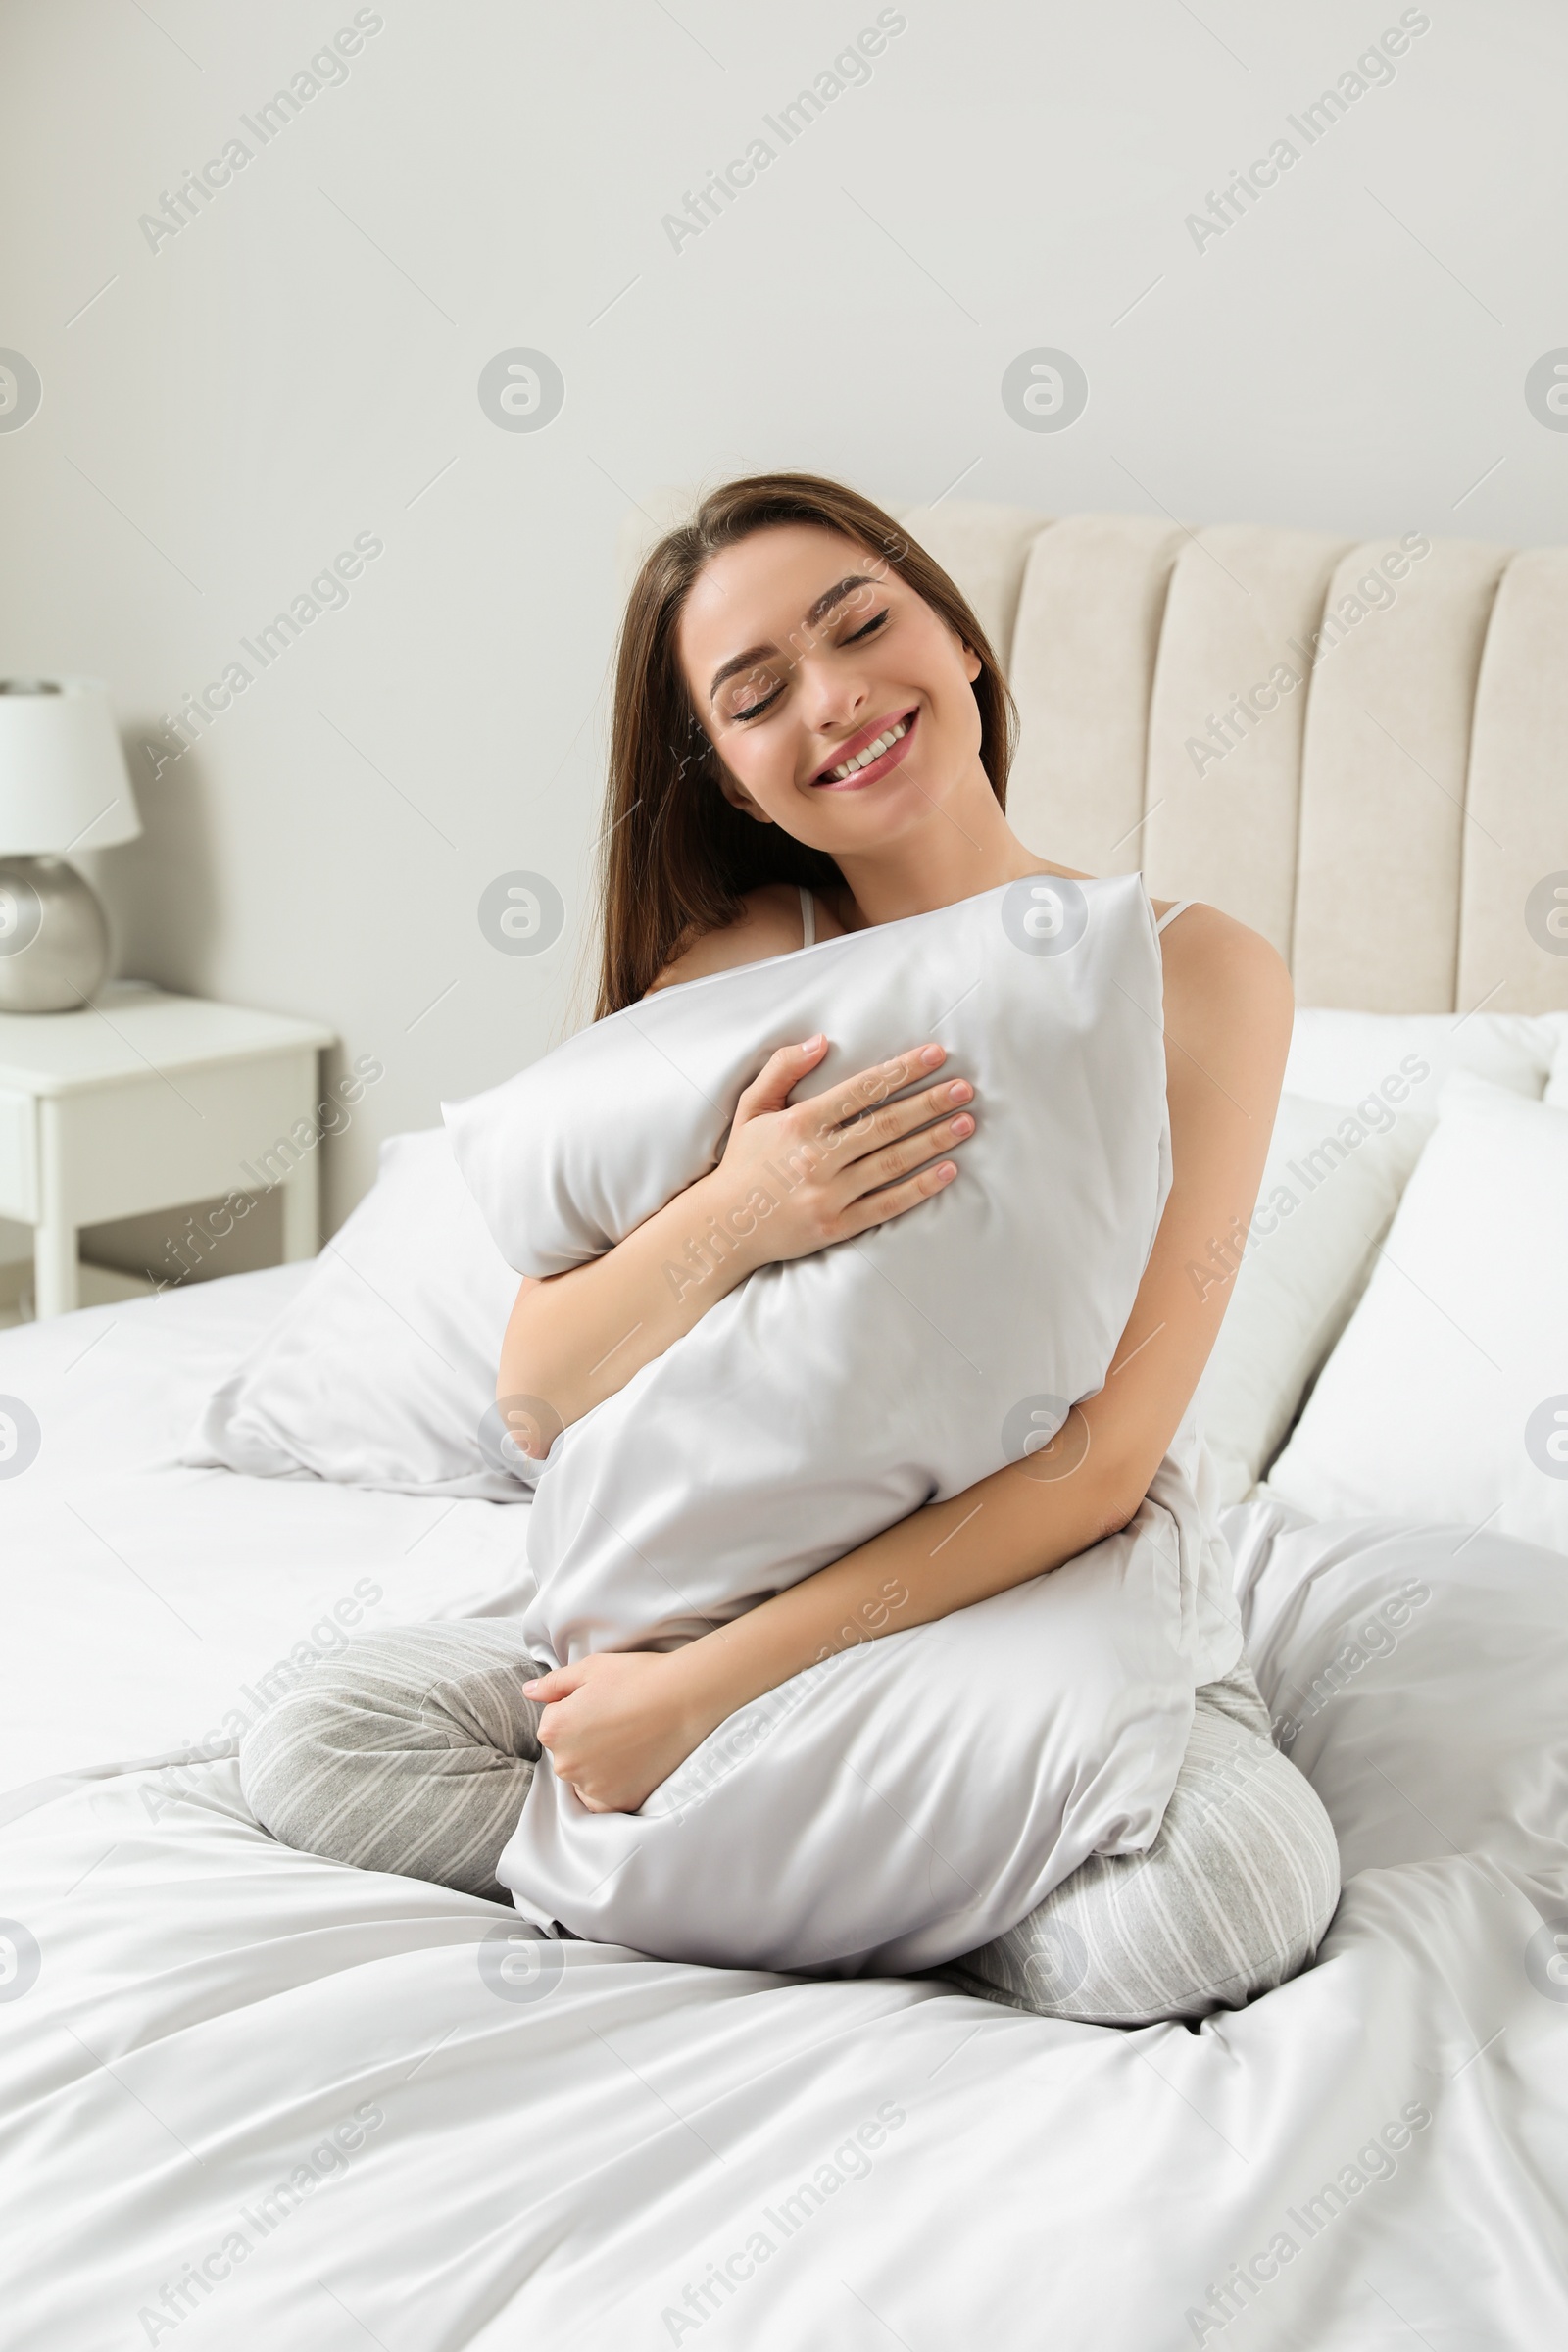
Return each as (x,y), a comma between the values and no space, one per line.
(251,2097)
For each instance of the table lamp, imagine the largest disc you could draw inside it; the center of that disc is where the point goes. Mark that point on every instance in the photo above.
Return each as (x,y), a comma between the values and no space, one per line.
(63,785)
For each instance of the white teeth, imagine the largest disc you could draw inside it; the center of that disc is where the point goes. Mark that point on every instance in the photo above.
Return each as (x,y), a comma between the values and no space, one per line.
(872,751)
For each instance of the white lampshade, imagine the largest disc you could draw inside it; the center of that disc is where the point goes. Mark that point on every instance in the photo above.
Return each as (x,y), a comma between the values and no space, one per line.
(64,785)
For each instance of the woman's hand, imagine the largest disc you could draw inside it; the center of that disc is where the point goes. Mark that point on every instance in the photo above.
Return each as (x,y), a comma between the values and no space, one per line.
(798,1176)
(616,1724)
(793,1177)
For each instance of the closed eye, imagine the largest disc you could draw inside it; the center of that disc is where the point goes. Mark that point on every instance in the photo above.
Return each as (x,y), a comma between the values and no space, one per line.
(759,709)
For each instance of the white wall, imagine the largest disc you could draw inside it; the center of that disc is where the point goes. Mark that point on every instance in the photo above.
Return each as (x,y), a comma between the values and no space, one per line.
(298,364)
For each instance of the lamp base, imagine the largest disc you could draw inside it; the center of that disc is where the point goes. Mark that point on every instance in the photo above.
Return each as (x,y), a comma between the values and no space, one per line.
(54,941)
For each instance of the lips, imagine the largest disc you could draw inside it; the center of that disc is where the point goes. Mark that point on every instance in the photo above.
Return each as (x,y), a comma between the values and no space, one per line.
(900,726)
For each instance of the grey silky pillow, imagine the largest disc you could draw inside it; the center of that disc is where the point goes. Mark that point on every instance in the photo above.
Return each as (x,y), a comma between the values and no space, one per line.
(826,1397)
(381,1370)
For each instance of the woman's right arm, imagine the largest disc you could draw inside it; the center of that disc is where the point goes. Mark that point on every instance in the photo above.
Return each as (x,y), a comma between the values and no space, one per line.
(794,1179)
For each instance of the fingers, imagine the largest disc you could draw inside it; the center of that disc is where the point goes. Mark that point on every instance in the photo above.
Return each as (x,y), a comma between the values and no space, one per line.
(782,1071)
(559,1683)
(874,1131)
(858,1130)
(875,1209)
(884,1166)
(868,1088)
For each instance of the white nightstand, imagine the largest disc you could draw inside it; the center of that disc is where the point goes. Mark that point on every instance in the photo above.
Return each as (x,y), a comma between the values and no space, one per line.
(143,1101)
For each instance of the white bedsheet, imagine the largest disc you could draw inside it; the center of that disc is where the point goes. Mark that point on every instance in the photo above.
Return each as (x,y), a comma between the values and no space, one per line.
(139,1597)
(583,2153)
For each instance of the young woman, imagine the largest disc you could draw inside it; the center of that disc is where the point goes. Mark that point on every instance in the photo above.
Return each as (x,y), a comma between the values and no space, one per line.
(811,735)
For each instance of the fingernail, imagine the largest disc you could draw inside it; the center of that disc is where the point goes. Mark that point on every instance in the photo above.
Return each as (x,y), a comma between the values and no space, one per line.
(961,1092)
(931,1056)
(947,1170)
(963,1126)
(813,1042)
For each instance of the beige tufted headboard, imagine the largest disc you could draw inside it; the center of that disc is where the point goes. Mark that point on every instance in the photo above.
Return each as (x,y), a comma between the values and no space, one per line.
(1383,819)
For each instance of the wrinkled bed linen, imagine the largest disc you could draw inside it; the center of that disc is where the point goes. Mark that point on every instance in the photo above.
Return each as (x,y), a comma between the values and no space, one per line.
(249,2098)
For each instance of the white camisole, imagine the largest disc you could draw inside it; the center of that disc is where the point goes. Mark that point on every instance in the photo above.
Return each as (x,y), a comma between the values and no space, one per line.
(809,915)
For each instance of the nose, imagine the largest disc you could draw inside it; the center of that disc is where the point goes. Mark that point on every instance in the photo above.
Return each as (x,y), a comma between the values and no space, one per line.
(833,699)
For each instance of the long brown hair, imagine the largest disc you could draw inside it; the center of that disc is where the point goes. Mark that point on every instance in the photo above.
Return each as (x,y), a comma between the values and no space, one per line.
(677,856)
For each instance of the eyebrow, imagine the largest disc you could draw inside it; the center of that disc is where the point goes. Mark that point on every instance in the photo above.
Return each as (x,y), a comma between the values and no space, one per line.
(818,613)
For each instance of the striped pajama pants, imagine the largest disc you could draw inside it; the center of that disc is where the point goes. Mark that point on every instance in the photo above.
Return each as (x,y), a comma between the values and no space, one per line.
(1231,1899)
(412,1751)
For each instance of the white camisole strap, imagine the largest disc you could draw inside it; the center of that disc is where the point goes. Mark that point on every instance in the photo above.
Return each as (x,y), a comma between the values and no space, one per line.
(809,915)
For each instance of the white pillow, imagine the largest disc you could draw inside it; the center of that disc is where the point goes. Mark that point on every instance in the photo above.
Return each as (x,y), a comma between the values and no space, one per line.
(1557,1083)
(826,1397)
(1329,1188)
(1345,1057)
(1367,1084)
(381,1371)
(1447,1396)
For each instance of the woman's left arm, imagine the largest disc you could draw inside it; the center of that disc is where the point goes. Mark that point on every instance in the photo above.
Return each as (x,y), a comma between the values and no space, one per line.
(621,1722)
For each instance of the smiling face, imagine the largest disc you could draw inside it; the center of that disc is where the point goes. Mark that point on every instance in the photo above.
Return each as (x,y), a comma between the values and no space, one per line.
(838,701)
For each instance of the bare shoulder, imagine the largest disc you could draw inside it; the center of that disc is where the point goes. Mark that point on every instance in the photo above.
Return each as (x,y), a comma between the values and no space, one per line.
(1213,962)
(1229,1003)
(768,925)
(1226,988)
